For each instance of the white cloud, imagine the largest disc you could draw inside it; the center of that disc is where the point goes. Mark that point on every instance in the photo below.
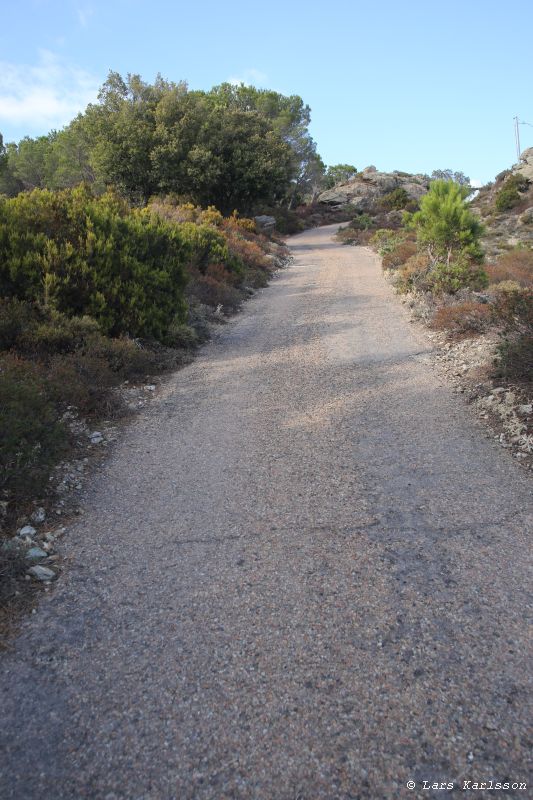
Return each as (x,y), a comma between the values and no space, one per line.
(84,14)
(250,77)
(45,95)
(476,183)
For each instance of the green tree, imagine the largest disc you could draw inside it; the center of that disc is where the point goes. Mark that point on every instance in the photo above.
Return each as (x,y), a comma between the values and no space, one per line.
(445,225)
(338,173)
(31,161)
(70,159)
(450,175)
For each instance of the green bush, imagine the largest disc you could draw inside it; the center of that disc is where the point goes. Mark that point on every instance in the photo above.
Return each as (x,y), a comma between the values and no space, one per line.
(509,195)
(32,437)
(515,358)
(458,274)
(86,255)
(16,317)
(514,311)
(385,240)
(362,222)
(395,200)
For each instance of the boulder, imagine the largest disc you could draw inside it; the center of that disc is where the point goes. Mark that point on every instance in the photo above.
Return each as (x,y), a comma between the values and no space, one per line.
(264,223)
(525,167)
(364,189)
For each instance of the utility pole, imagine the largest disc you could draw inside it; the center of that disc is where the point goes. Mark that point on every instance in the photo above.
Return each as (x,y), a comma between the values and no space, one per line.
(517,138)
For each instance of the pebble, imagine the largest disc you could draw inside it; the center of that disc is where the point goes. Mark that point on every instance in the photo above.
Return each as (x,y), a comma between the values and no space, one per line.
(36,554)
(42,573)
(96,437)
(38,516)
(27,532)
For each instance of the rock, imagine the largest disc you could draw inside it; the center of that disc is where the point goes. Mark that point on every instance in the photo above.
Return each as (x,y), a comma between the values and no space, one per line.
(526,409)
(525,167)
(96,437)
(526,218)
(150,387)
(36,554)
(264,223)
(42,573)
(38,516)
(27,532)
(365,188)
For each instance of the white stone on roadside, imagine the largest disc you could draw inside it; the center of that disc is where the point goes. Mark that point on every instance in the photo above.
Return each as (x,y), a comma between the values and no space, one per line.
(526,409)
(96,437)
(150,387)
(42,573)
(27,532)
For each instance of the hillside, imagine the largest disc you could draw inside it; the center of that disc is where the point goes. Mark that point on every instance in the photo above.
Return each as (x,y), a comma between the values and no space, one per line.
(506,208)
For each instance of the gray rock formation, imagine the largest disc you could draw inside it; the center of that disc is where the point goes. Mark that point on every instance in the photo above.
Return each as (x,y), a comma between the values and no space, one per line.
(525,167)
(367,187)
(265,224)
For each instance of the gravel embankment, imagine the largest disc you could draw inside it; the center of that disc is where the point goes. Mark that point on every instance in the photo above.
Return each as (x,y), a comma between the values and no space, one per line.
(302,573)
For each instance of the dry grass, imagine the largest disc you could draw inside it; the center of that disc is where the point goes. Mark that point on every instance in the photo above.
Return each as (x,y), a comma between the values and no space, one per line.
(463,318)
(398,256)
(516,265)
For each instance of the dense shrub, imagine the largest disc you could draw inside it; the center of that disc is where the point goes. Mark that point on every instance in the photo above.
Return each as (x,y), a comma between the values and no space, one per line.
(385,240)
(84,381)
(83,255)
(449,278)
(213,289)
(509,195)
(399,254)
(515,358)
(515,265)
(16,317)
(413,275)
(514,311)
(468,317)
(32,437)
(396,200)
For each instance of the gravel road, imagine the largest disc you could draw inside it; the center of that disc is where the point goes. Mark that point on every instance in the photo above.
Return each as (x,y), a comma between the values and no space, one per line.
(301,575)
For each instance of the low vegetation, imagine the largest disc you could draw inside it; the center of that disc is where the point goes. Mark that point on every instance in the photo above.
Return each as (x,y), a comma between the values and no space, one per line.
(435,253)
(95,292)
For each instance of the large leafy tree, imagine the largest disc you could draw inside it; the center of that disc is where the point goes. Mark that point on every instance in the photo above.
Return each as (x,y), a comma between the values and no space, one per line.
(212,148)
(235,146)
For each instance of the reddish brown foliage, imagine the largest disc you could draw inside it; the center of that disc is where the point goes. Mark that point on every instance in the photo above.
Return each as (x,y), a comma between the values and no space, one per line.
(469,317)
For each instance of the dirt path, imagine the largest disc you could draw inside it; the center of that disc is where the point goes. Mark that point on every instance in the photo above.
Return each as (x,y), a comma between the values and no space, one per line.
(303,575)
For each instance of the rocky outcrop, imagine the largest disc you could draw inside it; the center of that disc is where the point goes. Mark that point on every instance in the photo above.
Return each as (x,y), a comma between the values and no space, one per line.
(512,227)
(525,167)
(365,189)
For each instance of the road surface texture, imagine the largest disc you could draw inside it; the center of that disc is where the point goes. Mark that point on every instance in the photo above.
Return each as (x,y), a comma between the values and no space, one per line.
(302,575)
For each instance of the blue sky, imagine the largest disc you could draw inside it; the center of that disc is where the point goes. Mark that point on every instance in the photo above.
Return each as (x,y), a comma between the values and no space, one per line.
(414,86)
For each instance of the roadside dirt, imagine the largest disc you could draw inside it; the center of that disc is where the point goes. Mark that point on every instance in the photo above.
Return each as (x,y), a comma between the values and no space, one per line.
(302,573)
